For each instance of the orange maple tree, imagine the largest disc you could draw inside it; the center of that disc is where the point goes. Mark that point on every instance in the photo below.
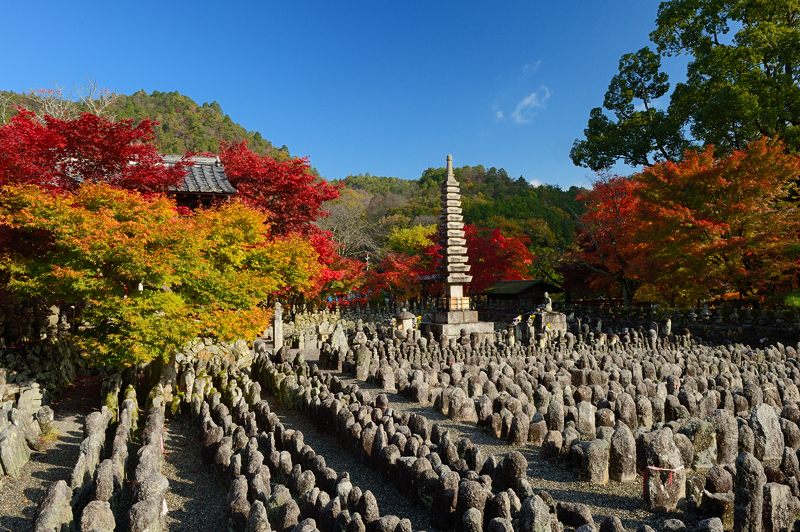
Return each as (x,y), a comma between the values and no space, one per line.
(701,227)
(722,225)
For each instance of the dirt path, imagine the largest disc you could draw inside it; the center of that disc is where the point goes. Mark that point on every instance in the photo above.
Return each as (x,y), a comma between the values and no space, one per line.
(196,497)
(390,500)
(19,497)
(623,500)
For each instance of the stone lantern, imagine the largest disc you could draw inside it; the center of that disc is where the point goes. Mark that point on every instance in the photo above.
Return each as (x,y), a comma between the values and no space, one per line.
(405,320)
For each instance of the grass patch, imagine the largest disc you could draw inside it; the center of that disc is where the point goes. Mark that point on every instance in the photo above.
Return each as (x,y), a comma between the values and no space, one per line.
(49,438)
(792,299)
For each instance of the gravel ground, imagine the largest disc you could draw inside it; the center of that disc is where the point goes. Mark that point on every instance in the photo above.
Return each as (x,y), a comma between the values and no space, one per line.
(623,500)
(20,497)
(390,500)
(196,497)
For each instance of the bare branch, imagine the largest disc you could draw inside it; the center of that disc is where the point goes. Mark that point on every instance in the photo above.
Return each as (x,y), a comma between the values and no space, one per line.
(6,98)
(96,99)
(50,102)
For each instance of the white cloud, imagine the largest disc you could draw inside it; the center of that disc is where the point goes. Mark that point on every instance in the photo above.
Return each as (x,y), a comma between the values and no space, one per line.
(526,108)
(535,182)
(499,116)
(531,68)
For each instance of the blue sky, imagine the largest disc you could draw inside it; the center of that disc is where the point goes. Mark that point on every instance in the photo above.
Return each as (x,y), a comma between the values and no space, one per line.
(382,87)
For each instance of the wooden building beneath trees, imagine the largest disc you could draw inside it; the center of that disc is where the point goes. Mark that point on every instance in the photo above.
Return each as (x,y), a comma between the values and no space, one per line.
(527,294)
(204,184)
(506,299)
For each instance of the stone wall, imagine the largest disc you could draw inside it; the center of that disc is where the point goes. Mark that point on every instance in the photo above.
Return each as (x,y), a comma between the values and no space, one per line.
(717,325)
(25,322)
(51,363)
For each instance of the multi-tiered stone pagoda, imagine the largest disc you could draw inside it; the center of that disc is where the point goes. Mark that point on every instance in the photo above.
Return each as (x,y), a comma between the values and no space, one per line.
(453,313)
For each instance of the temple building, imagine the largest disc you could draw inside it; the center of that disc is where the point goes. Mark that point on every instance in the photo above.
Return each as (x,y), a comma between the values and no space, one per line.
(204,184)
(507,299)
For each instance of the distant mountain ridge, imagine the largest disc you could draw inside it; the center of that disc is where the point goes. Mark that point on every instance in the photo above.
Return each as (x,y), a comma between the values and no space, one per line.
(183,124)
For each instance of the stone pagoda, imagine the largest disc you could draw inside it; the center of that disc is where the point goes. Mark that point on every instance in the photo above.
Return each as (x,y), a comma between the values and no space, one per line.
(453,313)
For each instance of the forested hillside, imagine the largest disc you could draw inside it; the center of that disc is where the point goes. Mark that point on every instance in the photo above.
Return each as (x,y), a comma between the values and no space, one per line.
(183,124)
(373,208)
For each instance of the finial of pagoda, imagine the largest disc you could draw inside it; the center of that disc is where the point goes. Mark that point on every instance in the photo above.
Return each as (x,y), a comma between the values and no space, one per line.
(451,176)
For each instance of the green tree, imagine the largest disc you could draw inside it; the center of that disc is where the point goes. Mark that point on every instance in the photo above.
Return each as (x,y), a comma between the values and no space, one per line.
(638,132)
(411,240)
(741,84)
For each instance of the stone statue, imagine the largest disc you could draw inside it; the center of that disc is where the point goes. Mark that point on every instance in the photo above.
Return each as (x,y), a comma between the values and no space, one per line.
(277,327)
(548,303)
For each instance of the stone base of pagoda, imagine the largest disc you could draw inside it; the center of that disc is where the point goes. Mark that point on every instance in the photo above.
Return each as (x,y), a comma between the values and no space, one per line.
(449,323)
(484,329)
(455,316)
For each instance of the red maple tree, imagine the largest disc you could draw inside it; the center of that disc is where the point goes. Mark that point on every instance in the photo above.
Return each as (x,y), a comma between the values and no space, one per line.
(493,256)
(288,190)
(397,275)
(59,154)
(607,235)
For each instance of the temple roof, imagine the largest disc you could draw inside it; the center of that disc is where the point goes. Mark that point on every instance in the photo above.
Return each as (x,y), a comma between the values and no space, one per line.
(206,175)
(512,288)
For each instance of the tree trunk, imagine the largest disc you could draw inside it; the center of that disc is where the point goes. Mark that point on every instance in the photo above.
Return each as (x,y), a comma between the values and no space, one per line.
(628,287)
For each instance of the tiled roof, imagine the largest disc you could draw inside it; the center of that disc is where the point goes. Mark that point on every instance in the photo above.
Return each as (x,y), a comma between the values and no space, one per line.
(507,288)
(206,175)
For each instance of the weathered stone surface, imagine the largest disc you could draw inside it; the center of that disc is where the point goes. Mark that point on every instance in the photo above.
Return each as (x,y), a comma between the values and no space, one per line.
(622,454)
(146,516)
(104,481)
(238,505)
(749,498)
(767,433)
(14,451)
(594,467)
(665,482)
(535,515)
(721,506)
(513,467)
(574,514)
(55,510)
(98,517)
(471,495)
(704,443)
(257,521)
(612,524)
(45,417)
(472,521)
(727,435)
(363,360)
(462,408)
(780,508)
(718,480)
(713,524)
(585,421)
(520,425)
